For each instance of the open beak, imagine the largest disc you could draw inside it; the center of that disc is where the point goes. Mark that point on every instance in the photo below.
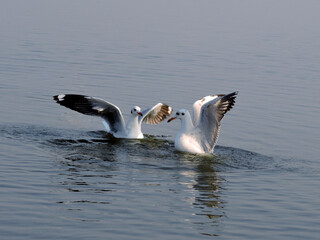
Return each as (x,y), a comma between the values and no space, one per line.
(171,119)
(140,113)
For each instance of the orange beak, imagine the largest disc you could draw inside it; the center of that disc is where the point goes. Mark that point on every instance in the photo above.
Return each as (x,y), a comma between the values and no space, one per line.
(171,119)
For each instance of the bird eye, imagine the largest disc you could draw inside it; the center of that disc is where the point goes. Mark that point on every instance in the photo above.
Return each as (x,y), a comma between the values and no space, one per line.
(178,113)
(135,110)
(182,113)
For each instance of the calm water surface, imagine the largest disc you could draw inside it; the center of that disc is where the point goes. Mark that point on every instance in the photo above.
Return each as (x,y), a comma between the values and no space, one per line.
(63,177)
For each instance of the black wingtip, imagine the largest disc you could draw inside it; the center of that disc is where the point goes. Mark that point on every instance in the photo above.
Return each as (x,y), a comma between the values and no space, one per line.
(59,98)
(231,95)
(231,99)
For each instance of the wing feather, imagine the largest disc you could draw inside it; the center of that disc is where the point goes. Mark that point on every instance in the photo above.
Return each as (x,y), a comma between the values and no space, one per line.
(198,104)
(156,114)
(95,107)
(211,114)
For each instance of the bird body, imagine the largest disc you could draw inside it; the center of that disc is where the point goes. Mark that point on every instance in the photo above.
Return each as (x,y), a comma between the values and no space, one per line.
(133,127)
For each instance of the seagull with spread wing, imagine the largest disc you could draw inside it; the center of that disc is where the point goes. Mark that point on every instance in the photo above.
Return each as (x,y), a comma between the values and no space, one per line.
(200,134)
(112,116)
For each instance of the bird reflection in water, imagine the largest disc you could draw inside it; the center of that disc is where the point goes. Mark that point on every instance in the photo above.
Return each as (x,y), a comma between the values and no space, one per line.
(208,186)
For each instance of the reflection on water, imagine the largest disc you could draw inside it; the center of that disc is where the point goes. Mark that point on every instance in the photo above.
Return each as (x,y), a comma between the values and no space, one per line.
(208,201)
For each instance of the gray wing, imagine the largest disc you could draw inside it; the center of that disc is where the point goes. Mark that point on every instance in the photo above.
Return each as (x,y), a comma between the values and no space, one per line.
(95,107)
(156,114)
(211,114)
(198,104)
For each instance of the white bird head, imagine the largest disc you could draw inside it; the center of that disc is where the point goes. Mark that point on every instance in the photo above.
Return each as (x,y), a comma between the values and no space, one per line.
(180,114)
(135,111)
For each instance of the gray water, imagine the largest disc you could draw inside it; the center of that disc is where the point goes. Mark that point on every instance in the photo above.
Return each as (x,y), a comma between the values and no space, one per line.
(63,177)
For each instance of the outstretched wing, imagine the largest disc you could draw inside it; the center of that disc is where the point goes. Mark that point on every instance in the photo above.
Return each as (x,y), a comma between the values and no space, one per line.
(156,114)
(211,114)
(95,107)
(198,104)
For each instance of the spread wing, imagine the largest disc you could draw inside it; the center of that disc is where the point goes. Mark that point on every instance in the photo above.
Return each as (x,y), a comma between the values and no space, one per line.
(198,104)
(211,114)
(156,114)
(95,107)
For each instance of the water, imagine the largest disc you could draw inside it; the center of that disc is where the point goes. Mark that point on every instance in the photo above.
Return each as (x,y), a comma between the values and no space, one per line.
(62,177)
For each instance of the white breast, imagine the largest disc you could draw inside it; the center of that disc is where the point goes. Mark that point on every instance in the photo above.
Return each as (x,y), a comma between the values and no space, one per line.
(187,143)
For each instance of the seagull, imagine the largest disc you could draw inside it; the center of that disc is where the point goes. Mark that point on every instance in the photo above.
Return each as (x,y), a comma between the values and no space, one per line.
(111,114)
(200,134)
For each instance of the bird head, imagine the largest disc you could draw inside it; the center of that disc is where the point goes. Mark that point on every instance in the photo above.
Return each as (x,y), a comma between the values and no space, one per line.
(136,111)
(180,114)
